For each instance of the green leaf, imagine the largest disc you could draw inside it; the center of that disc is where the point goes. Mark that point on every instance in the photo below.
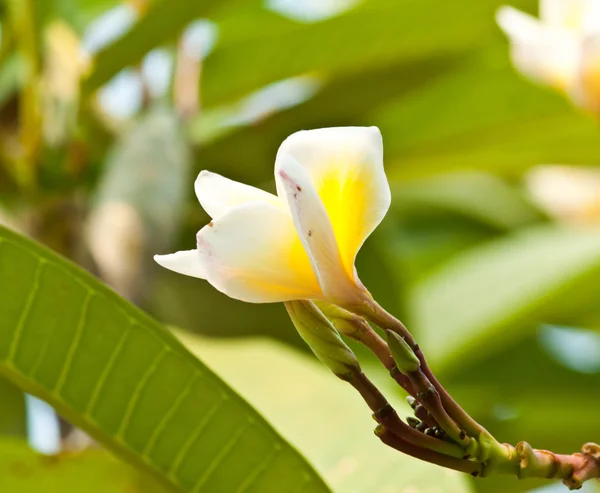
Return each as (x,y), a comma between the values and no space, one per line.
(94,471)
(163,21)
(490,296)
(346,99)
(484,115)
(13,419)
(357,41)
(323,416)
(476,195)
(120,376)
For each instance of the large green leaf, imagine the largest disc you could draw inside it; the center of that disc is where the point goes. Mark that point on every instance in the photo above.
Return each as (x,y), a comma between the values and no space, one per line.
(13,419)
(379,34)
(479,196)
(94,471)
(120,376)
(484,115)
(323,416)
(490,296)
(347,99)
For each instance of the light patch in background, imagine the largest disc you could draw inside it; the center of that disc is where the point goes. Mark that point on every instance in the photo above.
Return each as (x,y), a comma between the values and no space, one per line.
(108,27)
(577,349)
(157,68)
(567,193)
(505,412)
(587,487)
(121,98)
(260,104)
(43,429)
(275,97)
(199,39)
(310,10)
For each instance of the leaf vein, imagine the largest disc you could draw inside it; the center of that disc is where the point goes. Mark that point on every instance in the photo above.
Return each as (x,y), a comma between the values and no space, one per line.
(168,415)
(259,471)
(217,459)
(62,378)
(14,345)
(106,372)
(202,424)
(137,392)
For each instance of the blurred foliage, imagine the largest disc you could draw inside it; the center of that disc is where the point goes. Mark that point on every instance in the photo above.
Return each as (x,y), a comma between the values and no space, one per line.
(98,164)
(23,470)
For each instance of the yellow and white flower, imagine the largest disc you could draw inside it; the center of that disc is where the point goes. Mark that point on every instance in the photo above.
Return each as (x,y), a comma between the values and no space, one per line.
(561,49)
(332,192)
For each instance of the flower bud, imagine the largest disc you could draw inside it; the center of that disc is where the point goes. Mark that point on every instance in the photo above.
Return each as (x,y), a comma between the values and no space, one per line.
(405,358)
(322,337)
(344,321)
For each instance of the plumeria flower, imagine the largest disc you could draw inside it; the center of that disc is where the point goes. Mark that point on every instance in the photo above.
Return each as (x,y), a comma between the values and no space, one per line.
(561,49)
(300,244)
(570,194)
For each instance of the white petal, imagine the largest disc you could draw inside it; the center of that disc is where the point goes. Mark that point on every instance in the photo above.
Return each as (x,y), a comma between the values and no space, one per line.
(543,53)
(345,166)
(187,262)
(591,18)
(577,15)
(586,92)
(218,194)
(315,231)
(253,253)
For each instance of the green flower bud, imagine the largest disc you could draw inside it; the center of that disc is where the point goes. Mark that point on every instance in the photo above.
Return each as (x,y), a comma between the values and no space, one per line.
(346,322)
(405,358)
(322,338)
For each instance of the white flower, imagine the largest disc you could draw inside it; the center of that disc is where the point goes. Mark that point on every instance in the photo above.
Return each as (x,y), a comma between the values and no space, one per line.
(566,193)
(332,192)
(561,49)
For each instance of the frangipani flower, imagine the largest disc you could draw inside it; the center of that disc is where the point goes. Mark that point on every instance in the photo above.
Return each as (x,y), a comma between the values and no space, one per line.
(561,49)
(566,193)
(332,192)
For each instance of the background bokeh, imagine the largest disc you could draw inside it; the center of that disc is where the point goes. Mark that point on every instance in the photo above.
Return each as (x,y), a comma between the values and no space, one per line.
(108,110)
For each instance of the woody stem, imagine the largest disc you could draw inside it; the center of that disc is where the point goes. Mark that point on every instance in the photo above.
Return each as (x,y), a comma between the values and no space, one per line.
(385,415)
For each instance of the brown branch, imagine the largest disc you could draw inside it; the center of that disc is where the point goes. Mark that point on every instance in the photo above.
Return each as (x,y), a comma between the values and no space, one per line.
(386,416)
(392,440)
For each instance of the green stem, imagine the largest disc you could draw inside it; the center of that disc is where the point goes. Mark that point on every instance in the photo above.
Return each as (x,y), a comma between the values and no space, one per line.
(430,398)
(386,416)
(379,316)
(526,462)
(462,465)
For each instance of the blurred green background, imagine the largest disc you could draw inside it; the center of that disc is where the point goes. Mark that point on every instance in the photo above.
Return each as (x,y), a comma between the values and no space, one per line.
(108,110)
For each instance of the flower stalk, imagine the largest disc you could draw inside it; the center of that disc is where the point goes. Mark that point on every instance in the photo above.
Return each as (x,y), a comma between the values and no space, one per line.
(440,417)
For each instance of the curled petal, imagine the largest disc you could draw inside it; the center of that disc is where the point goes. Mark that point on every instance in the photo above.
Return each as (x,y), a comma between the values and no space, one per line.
(543,53)
(345,167)
(253,253)
(218,194)
(316,232)
(187,262)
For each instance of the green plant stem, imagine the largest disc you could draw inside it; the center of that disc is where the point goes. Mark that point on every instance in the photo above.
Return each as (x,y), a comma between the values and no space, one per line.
(386,416)
(372,311)
(490,456)
(430,398)
(526,462)
(393,441)
(373,341)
